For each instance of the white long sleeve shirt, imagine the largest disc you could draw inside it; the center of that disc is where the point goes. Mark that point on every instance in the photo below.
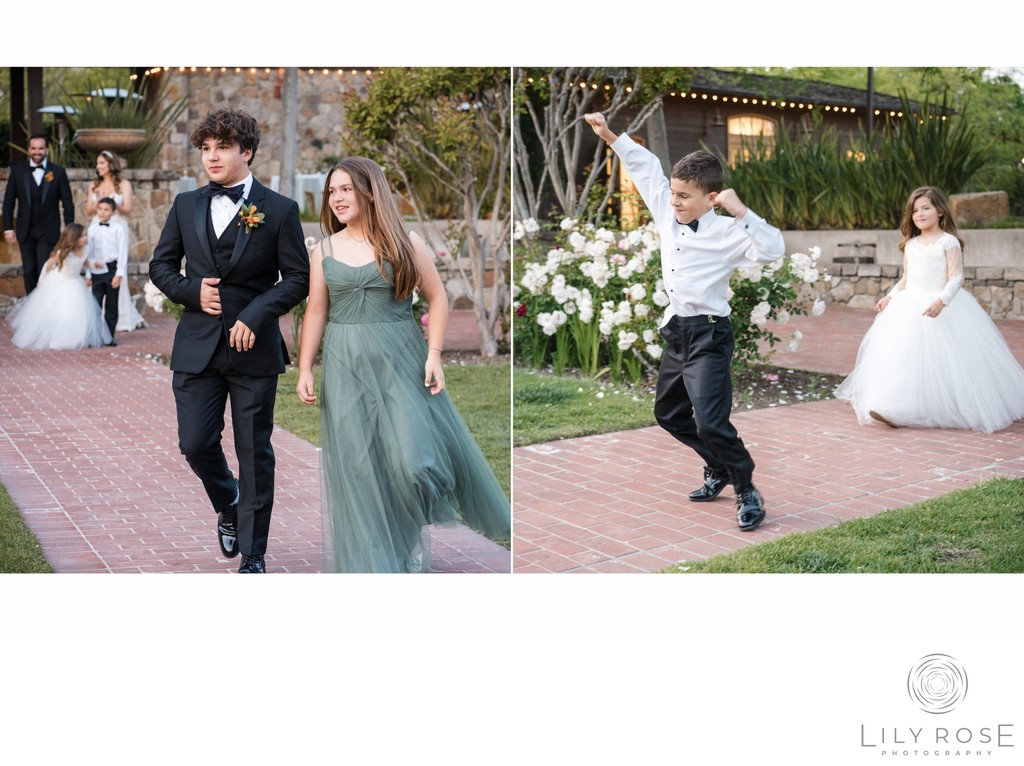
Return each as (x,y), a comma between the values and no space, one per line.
(696,265)
(106,244)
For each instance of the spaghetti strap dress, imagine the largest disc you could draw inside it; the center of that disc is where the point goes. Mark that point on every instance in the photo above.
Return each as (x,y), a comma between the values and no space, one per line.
(394,459)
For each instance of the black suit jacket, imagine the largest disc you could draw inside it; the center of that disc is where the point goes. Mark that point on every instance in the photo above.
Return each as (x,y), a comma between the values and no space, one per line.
(267,276)
(56,191)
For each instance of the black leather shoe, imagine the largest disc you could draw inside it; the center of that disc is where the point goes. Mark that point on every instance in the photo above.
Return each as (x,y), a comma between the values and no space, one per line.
(227,530)
(252,565)
(714,483)
(749,509)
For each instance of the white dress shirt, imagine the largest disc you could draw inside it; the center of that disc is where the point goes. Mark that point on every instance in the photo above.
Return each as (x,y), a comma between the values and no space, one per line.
(696,265)
(223,211)
(106,244)
(37,177)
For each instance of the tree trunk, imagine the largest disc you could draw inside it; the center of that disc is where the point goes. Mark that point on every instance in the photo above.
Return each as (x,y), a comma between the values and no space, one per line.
(290,98)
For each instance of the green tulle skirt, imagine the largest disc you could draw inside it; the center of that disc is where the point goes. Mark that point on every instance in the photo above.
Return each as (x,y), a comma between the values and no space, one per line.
(394,458)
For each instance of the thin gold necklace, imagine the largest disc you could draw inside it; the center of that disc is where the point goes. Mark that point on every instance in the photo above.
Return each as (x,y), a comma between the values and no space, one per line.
(360,241)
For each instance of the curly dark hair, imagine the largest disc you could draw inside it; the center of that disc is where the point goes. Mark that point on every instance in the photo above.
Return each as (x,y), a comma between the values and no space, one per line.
(230,125)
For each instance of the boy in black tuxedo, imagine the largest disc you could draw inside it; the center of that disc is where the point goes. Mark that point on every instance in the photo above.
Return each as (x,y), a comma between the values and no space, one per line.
(246,265)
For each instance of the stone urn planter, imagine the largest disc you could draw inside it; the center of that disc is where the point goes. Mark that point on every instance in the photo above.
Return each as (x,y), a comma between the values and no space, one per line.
(118,140)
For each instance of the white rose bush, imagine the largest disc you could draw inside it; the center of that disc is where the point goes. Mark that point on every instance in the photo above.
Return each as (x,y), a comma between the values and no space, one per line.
(593,301)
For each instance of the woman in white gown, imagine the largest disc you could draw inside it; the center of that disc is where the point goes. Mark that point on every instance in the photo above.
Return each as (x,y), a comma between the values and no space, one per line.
(108,183)
(61,312)
(933,357)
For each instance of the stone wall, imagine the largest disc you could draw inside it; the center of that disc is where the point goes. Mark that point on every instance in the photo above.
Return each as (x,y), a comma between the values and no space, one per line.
(258,91)
(864,265)
(153,191)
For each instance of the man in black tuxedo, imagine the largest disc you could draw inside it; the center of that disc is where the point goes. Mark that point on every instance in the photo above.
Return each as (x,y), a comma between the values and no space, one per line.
(246,265)
(39,189)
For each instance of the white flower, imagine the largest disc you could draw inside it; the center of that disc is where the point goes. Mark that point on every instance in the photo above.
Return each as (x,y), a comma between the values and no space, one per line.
(627,339)
(516,290)
(815,252)
(800,261)
(600,394)
(310,243)
(604,235)
(653,351)
(531,226)
(596,248)
(637,292)
(577,241)
(729,293)
(154,298)
(535,278)
(782,316)
(566,224)
(798,335)
(660,297)
(649,336)
(641,309)
(810,275)
(550,323)
(818,308)
(517,231)
(793,345)
(759,315)
(752,273)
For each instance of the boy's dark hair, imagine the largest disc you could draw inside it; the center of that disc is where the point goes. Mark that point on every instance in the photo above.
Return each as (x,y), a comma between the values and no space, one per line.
(231,126)
(702,169)
(107,201)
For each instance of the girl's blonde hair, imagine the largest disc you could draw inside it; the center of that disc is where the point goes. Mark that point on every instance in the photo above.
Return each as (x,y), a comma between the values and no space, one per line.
(381,222)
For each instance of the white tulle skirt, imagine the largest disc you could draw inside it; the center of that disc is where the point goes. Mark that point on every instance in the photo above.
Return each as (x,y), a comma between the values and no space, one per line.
(950,371)
(59,314)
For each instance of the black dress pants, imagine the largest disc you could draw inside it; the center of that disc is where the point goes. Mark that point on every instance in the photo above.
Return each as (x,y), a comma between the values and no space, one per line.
(694,394)
(35,252)
(104,290)
(200,400)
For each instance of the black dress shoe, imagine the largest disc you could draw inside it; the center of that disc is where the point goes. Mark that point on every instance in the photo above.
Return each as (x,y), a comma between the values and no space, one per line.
(714,483)
(227,531)
(252,565)
(749,509)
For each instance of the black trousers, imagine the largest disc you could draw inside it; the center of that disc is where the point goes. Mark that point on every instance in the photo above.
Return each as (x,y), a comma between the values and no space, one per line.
(102,289)
(694,395)
(34,254)
(200,400)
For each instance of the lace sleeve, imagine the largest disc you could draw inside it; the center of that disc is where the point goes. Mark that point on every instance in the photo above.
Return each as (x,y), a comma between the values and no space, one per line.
(954,269)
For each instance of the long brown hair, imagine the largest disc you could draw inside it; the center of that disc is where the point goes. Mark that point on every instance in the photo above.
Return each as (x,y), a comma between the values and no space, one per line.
(68,239)
(938,199)
(116,165)
(381,222)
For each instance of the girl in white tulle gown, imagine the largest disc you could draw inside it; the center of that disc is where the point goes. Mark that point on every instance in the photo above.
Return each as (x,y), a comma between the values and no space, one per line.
(61,312)
(933,357)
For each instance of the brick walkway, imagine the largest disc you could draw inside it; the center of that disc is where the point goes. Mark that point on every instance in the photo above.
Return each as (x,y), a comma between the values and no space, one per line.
(617,502)
(88,453)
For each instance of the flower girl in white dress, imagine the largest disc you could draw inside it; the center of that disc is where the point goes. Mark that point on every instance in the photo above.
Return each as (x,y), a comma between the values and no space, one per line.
(61,312)
(933,357)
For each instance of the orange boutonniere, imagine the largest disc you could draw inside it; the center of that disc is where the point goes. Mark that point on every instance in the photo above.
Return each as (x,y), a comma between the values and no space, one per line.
(250,217)
(48,177)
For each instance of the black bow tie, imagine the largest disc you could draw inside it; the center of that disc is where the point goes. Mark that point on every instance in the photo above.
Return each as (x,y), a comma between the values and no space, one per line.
(34,168)
(692,224)
(214,189)
(104,223)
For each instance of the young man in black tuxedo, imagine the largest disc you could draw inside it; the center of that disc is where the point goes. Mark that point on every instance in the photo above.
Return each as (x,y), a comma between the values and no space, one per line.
(40,191)
(246,265)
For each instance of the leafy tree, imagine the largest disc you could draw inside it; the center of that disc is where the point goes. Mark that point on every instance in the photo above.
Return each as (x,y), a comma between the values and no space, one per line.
(443,136)
(549,130)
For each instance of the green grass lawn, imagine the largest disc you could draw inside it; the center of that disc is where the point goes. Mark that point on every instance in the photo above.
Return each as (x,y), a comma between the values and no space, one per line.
(548,407)
(19,548)
(980,529)
(479,391)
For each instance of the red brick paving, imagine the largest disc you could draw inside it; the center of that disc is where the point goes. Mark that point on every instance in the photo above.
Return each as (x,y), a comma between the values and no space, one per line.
(88,453)
(618,502)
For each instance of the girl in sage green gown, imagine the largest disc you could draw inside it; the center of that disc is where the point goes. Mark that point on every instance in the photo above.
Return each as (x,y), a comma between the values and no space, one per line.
(396,455)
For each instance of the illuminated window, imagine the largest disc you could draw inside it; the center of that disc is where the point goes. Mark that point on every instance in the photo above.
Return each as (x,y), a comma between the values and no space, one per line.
(747,132)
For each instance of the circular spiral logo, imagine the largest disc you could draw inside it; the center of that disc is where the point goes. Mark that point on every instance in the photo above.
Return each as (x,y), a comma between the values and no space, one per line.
(937,683)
